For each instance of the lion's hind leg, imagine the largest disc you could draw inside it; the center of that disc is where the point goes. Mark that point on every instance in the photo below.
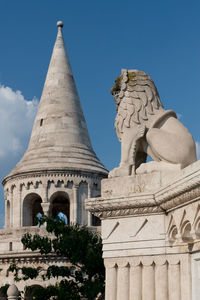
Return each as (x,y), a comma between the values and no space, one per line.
(167,147)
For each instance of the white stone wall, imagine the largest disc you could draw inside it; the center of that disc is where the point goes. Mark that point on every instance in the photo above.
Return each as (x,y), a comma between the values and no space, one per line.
(151,235)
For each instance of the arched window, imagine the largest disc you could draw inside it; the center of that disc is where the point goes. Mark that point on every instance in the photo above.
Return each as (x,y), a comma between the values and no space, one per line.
(60,206)
(31,208)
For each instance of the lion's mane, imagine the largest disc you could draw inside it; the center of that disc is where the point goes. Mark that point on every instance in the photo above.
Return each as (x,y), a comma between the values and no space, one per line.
(136,98)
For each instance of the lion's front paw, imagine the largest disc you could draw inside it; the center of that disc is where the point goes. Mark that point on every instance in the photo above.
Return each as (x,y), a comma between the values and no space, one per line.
(120,171)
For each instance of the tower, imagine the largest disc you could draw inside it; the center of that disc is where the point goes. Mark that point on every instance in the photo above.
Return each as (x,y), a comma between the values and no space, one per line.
(59,169)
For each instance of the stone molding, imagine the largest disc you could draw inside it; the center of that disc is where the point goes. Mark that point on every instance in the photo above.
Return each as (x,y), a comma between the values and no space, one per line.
(183,190)
(35,257)
(130,205)
(31,181)
(55,173)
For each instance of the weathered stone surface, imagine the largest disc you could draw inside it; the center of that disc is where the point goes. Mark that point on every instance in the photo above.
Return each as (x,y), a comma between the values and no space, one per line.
(151,234)
(129,185)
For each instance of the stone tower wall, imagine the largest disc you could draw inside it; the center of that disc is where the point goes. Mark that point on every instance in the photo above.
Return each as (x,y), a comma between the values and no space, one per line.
(23,194)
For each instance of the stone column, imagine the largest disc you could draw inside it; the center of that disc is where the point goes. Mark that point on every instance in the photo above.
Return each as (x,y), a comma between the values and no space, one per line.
(174,279)
(71,208)
(123,281)
(89,223)
(136,281)
(161,278)
(74,218)
(16,199)
(21,204)
(187,278)
(148,279)
(45,207)
(11,208)
(45,191)
(111,281)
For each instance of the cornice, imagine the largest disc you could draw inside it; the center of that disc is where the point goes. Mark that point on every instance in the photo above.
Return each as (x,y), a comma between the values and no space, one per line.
(136,204)
(180,192)
(30,257)
(55,173)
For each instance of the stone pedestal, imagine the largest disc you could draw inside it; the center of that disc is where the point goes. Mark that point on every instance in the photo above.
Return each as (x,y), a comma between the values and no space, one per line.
(151,235)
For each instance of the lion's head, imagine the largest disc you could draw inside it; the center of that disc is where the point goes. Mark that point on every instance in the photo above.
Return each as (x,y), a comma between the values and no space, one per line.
(136,98)
(138,83)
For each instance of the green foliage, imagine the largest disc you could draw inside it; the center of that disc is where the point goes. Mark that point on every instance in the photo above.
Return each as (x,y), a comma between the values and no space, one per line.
(3,292)
(82,248)
(65,290)
(116,87)
(4,288)
(131,76)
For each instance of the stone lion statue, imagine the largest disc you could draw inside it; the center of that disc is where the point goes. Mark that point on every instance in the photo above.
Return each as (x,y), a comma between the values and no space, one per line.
(145,128)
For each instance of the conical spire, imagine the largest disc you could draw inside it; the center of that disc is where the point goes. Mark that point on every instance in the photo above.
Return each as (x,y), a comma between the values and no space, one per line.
(60,138)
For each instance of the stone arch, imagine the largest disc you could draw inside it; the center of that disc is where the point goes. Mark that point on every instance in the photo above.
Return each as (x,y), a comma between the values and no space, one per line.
(31,207)
(50,183)
(69,184)
(60,203)
(29,291)
(37,184)
(60,183)
(186,231)
(173,233)
(29,185)
(12,188)
(21,186)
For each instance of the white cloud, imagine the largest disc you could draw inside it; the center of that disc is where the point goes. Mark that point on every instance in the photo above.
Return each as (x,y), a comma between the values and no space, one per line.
(198,149)
(16,120)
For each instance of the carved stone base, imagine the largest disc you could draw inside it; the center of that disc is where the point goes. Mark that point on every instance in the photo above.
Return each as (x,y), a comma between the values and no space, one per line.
(151,234)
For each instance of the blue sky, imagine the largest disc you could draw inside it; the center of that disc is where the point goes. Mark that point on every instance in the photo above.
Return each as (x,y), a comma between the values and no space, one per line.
(159,37)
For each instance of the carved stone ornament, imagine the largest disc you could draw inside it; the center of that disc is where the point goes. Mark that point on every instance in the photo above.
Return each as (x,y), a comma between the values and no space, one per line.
(145,128)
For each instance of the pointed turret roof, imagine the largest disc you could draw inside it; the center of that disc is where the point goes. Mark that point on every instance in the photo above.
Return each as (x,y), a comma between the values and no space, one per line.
(59,138)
